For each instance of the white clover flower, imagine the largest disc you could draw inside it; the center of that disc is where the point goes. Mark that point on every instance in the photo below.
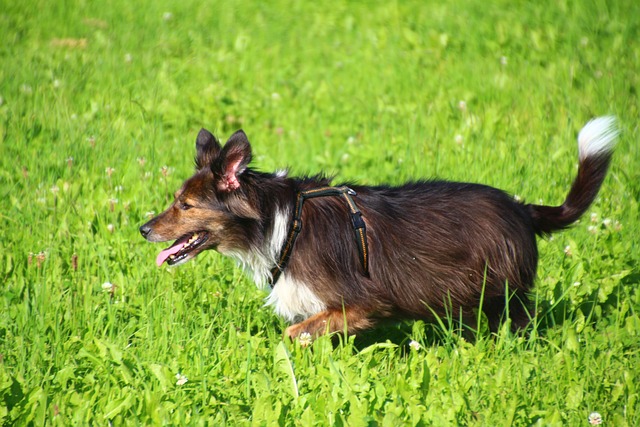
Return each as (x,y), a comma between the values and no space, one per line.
(459,139)
(305,339)
(606,222)
(182,380)
(567,250)
(128,58)
(110,228)
(107,287)
(595,419)
(462,105)
(503,60)
(594,217)
(517,198)
(167,16)
(415,345)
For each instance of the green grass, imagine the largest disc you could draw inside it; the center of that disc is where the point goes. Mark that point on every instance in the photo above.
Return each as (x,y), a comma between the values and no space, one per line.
(369,91)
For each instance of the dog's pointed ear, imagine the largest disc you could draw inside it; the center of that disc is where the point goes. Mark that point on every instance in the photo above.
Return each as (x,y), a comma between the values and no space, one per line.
(232,162)
(207,149)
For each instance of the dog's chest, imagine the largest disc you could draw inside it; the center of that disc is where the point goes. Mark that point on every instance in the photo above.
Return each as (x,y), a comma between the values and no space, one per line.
(294,300)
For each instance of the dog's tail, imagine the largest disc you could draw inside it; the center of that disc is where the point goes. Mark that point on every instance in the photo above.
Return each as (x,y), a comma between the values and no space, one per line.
(595,148)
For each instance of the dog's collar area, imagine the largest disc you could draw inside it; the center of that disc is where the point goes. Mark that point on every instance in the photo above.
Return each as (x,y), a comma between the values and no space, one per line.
(359,227)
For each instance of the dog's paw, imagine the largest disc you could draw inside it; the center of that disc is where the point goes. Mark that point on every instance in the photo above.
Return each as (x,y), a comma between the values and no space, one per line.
(294,331)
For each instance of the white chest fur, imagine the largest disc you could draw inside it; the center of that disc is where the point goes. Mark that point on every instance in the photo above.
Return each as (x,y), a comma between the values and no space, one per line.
(294,300)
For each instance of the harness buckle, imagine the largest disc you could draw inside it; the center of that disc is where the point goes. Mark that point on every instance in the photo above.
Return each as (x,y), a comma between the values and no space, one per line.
(356,219)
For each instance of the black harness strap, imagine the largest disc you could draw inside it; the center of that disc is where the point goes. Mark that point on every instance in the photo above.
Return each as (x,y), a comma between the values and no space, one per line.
(357,222)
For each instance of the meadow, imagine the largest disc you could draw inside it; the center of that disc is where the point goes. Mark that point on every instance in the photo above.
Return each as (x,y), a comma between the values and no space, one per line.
(100,105)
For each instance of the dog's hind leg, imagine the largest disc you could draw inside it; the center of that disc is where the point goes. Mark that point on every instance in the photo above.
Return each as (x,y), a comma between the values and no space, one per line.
(518,311)
(349,319)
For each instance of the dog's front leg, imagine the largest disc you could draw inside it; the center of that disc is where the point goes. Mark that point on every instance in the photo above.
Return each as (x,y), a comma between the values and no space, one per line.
(332,320)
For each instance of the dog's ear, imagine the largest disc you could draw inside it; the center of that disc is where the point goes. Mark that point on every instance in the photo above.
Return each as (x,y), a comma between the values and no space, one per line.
(233,160)
(207,149)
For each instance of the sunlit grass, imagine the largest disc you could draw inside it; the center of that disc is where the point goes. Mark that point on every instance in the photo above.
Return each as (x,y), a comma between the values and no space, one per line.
(100,105)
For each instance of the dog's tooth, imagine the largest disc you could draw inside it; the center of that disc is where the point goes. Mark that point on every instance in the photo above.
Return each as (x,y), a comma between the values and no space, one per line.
(172,256)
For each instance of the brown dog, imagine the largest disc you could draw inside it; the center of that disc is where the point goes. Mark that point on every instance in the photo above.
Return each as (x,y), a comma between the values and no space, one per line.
(352,254)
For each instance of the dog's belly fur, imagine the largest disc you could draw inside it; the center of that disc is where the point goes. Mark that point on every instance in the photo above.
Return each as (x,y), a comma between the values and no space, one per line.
(294,300)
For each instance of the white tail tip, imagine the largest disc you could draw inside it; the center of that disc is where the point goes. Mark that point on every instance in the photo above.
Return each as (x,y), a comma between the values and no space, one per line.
(598,137)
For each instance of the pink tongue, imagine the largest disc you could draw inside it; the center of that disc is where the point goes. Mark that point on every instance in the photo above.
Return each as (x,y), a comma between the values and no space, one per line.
(175,248)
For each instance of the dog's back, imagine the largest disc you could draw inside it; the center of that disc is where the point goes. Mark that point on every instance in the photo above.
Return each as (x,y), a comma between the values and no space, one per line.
(438,246)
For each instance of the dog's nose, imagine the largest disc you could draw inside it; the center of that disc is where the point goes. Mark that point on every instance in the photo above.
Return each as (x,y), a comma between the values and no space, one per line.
(145,230)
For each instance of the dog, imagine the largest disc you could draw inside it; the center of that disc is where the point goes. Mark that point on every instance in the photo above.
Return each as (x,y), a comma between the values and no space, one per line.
(341,258)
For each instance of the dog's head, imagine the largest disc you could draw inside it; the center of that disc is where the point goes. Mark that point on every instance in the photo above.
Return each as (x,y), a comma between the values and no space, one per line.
(211,210)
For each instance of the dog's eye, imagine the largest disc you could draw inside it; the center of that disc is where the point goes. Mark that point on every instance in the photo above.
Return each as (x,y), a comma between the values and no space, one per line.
(185,206)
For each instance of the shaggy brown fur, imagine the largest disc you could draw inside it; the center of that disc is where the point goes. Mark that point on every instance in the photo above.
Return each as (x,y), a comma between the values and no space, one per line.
(436,248)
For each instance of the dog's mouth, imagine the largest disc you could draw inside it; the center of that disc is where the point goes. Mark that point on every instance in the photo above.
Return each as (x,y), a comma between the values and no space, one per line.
(183,249)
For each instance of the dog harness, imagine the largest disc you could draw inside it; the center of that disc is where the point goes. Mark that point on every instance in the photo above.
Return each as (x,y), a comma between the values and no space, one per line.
(359,227)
